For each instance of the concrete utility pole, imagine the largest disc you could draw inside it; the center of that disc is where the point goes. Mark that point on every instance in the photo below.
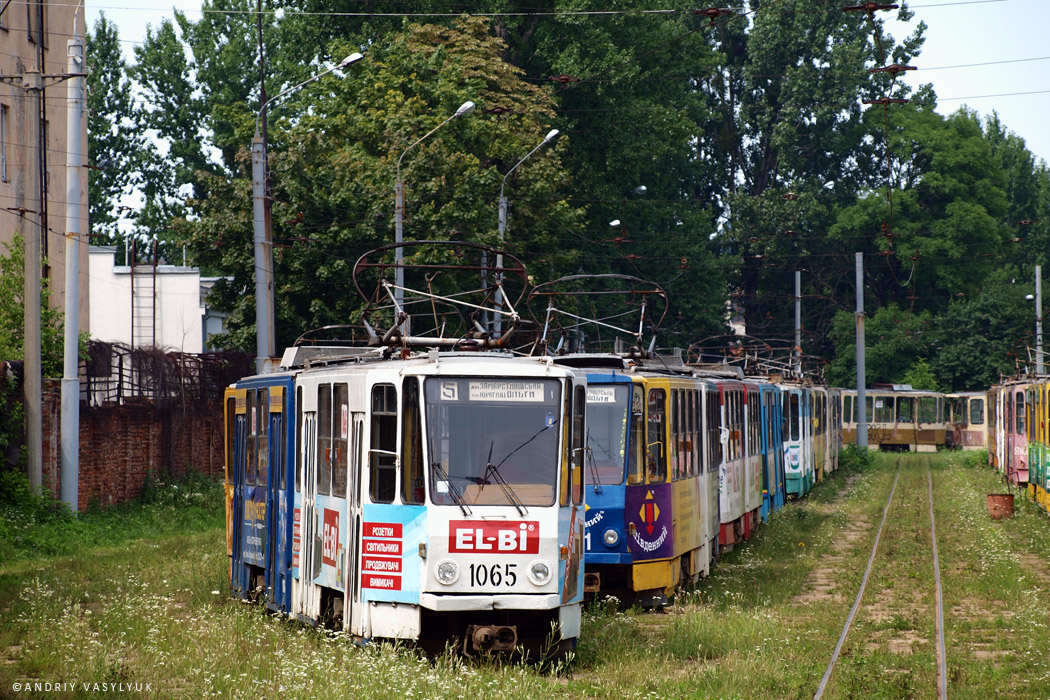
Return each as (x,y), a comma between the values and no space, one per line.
(1039,319)
(798,321)
(70,433)
(861,407)
(261,226)
(34,228)
(33,85)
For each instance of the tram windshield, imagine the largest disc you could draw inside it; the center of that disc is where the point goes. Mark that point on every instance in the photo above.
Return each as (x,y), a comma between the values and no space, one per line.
(606,433)
(493,441)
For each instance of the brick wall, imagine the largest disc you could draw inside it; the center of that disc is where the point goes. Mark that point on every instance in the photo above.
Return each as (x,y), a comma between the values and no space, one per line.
(121,444)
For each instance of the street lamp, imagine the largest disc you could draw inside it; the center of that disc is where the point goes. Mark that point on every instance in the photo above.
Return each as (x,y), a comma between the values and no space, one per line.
(551,135)
(264,330)
(399,207)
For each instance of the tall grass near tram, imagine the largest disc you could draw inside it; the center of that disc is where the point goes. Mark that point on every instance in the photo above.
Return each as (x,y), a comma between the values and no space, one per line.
(151,605)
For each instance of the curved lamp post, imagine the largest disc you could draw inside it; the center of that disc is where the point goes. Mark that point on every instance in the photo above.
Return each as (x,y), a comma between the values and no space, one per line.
(551,135)
(399,206)
(264,329)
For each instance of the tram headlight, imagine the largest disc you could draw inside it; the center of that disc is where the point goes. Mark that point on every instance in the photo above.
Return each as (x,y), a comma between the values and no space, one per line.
(610,537)
(539,572)
(447,572)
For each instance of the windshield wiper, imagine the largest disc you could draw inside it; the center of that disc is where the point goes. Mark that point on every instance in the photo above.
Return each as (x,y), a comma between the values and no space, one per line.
(457,495)
(493,469)
(592,465)
(498,478)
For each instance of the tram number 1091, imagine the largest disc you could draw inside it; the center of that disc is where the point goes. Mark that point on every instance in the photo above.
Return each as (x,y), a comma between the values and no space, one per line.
(493,574)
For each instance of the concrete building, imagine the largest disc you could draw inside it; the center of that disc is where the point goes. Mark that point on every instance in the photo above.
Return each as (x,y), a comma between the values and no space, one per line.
(33,38)
(163,306)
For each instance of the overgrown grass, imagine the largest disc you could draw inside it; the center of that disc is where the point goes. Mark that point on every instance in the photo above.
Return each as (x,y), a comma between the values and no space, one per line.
(34,526)
(155,609)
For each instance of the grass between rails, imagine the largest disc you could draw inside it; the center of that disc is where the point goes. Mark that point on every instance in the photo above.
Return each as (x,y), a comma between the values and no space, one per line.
(143,610)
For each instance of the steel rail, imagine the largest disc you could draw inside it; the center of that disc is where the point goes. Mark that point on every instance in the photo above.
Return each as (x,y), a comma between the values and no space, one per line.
(942,658)
(860,593)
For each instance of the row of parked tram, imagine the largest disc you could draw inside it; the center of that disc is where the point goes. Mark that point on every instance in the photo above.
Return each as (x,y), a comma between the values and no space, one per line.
(475,497)
(1019,434)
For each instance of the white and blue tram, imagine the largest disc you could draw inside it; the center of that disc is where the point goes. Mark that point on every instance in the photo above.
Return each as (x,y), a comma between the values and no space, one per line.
(436,497)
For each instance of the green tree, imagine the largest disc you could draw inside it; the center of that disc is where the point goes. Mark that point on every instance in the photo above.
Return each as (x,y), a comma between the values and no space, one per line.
(115,140)
(897,345)
(983,338)
(946,233)
(333,171)
(792,122)
(12,312)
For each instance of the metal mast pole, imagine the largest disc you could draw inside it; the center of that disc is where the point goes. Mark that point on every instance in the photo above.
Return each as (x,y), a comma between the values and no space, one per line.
(798,321)
(861,410)
(70,429)
(33,84)
(1039,319)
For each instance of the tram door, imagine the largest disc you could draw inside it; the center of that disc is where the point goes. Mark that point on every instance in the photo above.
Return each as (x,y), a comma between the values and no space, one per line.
(309,595)
(353,583)
(278,509)
(236,516)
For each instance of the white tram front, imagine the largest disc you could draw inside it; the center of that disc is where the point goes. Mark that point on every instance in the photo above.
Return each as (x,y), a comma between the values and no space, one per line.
(440,498)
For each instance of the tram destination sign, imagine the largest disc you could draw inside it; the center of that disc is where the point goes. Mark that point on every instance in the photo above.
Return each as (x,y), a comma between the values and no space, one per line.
(526,392)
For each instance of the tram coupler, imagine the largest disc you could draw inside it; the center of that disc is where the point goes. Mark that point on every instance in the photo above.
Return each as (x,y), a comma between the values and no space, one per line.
(490,638)
(592,582)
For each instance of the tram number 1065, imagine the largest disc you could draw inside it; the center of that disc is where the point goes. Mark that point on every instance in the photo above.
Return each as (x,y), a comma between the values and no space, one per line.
(493,575)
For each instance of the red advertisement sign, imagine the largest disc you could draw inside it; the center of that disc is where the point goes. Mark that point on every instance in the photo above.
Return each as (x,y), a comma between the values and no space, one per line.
(390,548)
(296,537)
(382,530)
(330,537)
(386,583)
(382,565)
(492,537)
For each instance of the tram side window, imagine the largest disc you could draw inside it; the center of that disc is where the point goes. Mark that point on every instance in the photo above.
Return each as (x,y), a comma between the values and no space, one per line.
(411,444)
(298,435)
(324,439)
(736,436)
(714,434)
(382,463)
(694,433)
(927,409)
(579,432)
(253,422)
(636,459)
(1019,398)
(976,411)
(262,447)
(231,427)
(656,448)
(279,448)
(340,434)
(905,409)
(677,434)
(883,409)
(847,409)
(792,416)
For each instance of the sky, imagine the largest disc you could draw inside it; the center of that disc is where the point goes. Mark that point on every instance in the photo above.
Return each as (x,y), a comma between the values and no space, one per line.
(1007,37)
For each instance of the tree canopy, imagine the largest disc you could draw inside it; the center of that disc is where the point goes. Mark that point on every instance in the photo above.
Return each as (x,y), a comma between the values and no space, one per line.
(732,150)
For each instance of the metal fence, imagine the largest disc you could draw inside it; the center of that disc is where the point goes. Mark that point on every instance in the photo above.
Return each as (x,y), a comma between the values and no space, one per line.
(118,374)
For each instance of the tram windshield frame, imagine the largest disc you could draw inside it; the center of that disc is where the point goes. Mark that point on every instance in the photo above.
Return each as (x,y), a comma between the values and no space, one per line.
(608,416)
(493,441)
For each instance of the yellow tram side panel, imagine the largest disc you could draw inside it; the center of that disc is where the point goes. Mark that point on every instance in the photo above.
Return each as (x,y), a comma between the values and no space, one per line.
(686,522)
(240,407)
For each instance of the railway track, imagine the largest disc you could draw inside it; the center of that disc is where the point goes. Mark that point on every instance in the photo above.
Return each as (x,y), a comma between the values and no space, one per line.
(942,683)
